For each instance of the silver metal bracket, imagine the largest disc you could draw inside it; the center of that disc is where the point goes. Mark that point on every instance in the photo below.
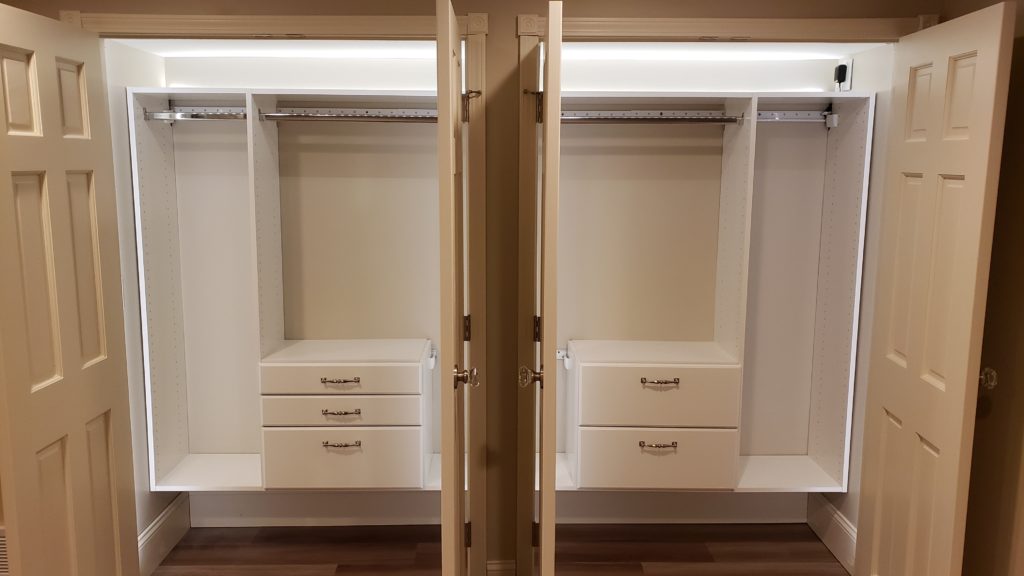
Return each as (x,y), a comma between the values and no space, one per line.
(563,355)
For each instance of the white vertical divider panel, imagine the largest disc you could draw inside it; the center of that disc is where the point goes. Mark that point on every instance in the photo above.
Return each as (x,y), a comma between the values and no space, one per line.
(841,258)
(734,226)
(157,236)
(266,212)
(552,149)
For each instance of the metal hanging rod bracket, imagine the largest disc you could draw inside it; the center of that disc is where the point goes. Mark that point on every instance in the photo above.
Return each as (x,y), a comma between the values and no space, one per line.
(648,116)
(197,113)
(352,115)
(827,118)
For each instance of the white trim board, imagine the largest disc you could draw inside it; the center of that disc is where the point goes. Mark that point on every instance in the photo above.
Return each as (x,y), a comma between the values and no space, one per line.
(834,529)
(160,537)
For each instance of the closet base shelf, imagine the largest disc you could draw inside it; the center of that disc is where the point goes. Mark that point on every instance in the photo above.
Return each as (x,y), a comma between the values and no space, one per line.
(784,474)
(214,473)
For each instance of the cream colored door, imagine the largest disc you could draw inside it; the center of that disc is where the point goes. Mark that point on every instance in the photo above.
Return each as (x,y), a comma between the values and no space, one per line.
(551,143)
(949,102)
(452,347)
(65,445)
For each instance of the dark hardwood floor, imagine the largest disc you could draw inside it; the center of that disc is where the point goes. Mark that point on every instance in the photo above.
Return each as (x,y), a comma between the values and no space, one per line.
(667,550)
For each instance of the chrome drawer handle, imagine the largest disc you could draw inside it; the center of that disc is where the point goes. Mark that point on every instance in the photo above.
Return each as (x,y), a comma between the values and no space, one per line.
(356,444)
(672,382)
(326,381)
(356,412)
(658,445)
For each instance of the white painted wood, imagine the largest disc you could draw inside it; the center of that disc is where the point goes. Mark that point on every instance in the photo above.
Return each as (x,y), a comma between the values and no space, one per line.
(161,536)
(679,507)
(785,473)
(549,251)
(214,473)
(388,457)
(334,366)
(377,351)
(372,411)
(65,445)
(950,84)
(704,459)
(835,530)
(840,282)
(452,352)
(702,397)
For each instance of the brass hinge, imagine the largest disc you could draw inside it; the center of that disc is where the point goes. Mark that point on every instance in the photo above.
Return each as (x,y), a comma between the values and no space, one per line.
(540,106)
(467,328)
(469,534)
(536,328)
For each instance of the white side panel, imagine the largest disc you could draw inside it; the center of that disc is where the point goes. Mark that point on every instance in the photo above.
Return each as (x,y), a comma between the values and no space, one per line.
(163,328)
(266,214)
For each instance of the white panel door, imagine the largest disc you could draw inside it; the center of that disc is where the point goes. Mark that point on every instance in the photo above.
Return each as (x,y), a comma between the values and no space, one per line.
(949,102)
(65,441)
(452,348)
(551,143)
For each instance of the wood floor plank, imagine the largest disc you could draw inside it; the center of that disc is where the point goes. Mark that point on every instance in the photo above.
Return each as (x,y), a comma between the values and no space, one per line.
(617,552)
(769,552)
(366,554)
(243,570)
(767,568)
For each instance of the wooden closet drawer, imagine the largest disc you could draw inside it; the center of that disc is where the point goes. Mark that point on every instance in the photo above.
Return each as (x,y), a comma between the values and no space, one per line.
(693,396)
(340,378)
(342,410)
(693,459)
(353,458)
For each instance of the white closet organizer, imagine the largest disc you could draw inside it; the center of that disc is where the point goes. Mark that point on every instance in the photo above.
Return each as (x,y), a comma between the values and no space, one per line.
(289,268)
(709,265)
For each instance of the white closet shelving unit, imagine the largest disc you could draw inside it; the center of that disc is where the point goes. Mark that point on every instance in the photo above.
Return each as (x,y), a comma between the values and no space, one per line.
(710,256)
(289,270)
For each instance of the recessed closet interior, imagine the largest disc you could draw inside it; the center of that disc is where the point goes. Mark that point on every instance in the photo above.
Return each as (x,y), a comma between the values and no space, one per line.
(287,224)
(712,222)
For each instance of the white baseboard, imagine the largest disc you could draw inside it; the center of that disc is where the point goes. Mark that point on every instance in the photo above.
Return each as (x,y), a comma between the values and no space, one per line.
(160,537)
(501,567)
(834,529)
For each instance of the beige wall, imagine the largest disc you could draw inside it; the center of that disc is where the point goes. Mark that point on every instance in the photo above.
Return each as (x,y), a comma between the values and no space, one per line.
(998,467)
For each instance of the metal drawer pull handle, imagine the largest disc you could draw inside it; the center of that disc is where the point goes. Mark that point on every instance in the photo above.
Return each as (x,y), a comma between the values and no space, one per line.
(672,382)
(658,445)
(355,412)
(356,444)
(340,380)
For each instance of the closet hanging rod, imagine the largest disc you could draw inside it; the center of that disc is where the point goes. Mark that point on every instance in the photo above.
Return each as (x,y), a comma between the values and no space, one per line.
(351,115)
(807,116)
(196,114)
(647,117)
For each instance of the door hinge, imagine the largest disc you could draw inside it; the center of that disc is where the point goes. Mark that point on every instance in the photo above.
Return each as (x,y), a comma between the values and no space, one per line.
(467,328)
(469,534)
(536,328)
(469,95)
(540,106)
(535,534)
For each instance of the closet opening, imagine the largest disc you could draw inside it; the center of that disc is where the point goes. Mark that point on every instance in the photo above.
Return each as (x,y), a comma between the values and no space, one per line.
(712,223)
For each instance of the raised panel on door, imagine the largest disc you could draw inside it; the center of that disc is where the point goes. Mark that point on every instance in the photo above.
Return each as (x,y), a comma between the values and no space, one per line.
(65,446)
(551,143)
(949,102)
(452,349)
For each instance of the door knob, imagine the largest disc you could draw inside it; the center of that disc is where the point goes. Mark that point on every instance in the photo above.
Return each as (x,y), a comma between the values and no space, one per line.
(989,379)
(527,376)
(470,377)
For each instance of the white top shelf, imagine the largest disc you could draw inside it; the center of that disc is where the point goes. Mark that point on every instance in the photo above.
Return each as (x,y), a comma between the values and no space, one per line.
(412,350)
(649,352)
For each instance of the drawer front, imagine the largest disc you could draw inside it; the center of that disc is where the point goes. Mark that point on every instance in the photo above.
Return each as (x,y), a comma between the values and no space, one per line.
(374,458)
(341,410)
(705,396)
(340,378)
(702,459)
